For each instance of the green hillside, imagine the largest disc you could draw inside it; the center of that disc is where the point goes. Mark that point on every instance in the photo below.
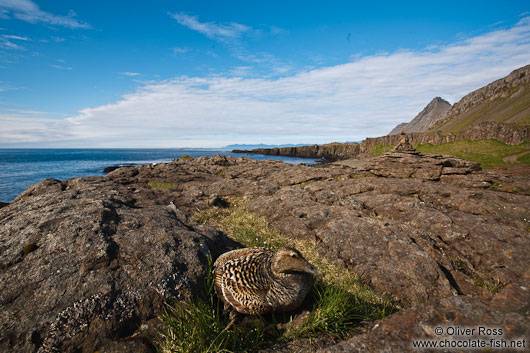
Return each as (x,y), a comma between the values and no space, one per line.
(513,107)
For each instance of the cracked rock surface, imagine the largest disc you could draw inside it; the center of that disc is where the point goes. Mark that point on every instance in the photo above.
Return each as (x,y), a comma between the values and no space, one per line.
(86,263)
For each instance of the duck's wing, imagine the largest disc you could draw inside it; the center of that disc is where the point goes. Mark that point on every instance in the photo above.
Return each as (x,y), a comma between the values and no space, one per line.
(244,281)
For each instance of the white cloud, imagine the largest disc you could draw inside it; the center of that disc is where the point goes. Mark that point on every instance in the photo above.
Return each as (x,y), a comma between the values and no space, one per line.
(61,67)
(28,11)
(7,41)
(216,31)
(231,36)
(365,97)
(10,36)
(180,50)
(130,74)
(20,127)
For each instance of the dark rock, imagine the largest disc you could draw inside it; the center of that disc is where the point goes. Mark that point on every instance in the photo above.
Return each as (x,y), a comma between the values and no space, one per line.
(327,152)
(111,168)
(219,202)
(97,266)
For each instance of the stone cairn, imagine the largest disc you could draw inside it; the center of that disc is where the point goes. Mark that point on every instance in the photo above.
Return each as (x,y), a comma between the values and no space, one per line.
(404,146)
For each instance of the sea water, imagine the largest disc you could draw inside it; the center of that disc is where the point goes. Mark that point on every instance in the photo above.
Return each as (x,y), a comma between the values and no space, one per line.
(20,168)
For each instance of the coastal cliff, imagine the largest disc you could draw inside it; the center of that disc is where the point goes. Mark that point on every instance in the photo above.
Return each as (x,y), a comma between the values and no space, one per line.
(329,152)
(508,133)
(87,263)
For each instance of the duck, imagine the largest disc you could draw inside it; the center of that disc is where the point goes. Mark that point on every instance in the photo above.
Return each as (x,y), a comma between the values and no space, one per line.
(258,280)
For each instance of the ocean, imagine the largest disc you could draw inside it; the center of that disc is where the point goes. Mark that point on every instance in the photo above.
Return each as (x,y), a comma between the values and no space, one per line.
(20,168)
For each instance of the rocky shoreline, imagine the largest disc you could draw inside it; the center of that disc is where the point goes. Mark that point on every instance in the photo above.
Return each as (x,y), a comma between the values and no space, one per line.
(510,134)
(86,263)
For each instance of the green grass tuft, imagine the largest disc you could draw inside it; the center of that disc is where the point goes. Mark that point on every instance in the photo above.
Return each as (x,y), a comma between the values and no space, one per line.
(161,185)
(379,150)
(197,324)
(505,187)
(524,159)
(492,287)
(336,311)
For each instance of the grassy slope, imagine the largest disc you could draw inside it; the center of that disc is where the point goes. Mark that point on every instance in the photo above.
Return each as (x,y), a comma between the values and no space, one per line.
(515,109)
(489,153)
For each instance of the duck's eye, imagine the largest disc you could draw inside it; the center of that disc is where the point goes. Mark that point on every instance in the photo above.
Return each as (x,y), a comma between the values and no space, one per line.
(293,255)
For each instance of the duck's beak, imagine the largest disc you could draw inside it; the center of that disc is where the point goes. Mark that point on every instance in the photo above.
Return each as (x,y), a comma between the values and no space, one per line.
(314,271)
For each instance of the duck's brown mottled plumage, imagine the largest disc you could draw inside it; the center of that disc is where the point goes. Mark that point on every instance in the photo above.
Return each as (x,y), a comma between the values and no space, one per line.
(258,281)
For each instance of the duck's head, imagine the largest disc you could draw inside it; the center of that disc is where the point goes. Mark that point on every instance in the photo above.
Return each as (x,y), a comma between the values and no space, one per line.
(290,261)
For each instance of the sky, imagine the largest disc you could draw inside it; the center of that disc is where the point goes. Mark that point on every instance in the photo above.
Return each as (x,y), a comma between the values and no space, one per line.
(157,74)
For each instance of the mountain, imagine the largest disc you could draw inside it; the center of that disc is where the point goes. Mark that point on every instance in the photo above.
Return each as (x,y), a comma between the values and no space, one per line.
(426,119)
(506,100)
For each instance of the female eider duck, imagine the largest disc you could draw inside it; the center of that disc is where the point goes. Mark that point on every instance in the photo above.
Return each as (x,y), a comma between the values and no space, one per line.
(259,281)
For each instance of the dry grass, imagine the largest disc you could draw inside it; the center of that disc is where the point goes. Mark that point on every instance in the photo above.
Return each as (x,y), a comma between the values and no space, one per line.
(161,185)
(251,230)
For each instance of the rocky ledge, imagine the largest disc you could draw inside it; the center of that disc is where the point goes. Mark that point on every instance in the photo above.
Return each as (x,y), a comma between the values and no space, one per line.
(86,263)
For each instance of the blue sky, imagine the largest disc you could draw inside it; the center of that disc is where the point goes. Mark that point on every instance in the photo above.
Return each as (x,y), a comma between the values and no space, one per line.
(211,73)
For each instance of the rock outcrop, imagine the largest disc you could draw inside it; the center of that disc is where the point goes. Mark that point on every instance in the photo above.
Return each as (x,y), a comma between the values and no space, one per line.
(87,262)
(508,133)
(405,162)
(85,267)
(426,119)
(328,152)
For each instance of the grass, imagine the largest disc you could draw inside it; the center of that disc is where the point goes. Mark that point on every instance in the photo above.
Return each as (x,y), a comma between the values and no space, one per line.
(335,306)
(197,325)
(505,187)
(524,159)
(489,153)
(379,150)
(161,185)
(493,288)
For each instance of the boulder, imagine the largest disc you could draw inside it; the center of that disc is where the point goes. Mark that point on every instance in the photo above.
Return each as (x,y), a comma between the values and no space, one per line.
(84,268)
